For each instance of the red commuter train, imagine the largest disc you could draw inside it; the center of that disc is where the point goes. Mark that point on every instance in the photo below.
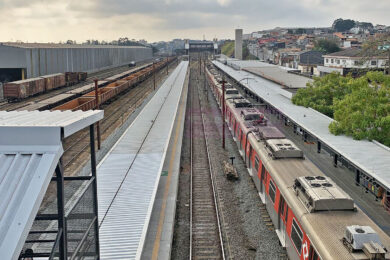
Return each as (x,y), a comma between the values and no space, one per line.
(313,218)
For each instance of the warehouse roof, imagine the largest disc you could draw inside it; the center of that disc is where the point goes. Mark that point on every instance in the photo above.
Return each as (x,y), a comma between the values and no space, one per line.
(61,46)
(29,153)
(370,157)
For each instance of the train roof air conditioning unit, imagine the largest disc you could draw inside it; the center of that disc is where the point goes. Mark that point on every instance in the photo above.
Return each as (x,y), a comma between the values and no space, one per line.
(283,148)
(320,193)
(364,238)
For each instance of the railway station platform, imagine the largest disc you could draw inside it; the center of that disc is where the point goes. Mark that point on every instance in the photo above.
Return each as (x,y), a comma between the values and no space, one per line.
(131,175)
(158,241)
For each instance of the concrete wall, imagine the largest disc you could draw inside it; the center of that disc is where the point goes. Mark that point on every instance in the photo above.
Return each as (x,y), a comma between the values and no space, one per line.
(43,61)
(238,44)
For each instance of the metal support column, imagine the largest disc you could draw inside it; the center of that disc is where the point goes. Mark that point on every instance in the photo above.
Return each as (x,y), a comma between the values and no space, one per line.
(63,245)
(97,107)
(318,146)
(95,201)
(154,77)
(167,65)
(335,158)
(357,177)
(223,113)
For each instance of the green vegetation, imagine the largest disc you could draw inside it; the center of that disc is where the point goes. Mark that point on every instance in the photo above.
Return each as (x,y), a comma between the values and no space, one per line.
(326,46)
(228,48)
(341,25)
(246,55)
(360,107)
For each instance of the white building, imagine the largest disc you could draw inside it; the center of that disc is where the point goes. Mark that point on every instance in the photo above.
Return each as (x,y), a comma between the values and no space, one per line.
(350,59)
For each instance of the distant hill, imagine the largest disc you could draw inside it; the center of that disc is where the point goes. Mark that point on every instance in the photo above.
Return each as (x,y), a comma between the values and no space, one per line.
(228,48)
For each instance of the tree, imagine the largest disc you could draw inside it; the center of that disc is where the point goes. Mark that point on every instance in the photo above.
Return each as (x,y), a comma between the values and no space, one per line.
(341,25)
(377,47)
(360,106)
(365,112)
(326,46)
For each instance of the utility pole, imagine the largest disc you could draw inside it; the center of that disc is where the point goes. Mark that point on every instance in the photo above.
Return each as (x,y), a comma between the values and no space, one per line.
(167,65)
(223,112)
(97,107)
(200,64)
(154,77)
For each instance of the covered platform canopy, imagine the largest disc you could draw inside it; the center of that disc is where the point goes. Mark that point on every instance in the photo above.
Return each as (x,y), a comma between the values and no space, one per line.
(30,149)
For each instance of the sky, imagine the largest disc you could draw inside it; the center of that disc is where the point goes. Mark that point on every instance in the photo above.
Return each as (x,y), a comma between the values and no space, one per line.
(163,20)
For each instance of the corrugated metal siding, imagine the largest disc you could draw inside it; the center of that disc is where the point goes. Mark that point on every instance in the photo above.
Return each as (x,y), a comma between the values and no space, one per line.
(370,157)
(129,175)
(42,60)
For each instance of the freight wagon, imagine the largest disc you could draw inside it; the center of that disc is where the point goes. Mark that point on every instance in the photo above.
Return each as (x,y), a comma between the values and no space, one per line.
(17,90)
(313,217)
(87,101)
(23,88)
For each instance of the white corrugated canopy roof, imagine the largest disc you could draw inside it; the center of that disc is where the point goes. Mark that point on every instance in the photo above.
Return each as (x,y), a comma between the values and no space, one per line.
(372,158)
(128,176)
(69,121)
(30,148)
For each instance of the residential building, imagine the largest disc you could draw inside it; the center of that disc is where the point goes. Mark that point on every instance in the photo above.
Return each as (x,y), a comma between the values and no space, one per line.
(351,60)
(308,62)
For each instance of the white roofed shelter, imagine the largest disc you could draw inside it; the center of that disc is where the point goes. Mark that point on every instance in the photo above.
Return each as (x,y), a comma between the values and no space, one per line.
(30,152)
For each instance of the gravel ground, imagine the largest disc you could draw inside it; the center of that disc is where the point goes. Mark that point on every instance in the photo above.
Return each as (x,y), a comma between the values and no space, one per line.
(244,217)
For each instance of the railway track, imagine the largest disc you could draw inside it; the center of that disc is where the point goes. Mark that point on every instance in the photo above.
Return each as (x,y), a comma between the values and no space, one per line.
(206,240)
(116,113)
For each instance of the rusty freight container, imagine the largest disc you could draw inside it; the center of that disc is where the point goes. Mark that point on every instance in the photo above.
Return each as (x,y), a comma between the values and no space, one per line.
(81,103)
(54,81)
(23,88)
(104,94)
(82,76)
(119,85)
(71,78)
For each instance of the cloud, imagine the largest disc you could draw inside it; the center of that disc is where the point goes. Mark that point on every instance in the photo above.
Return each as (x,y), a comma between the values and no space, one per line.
(54,20)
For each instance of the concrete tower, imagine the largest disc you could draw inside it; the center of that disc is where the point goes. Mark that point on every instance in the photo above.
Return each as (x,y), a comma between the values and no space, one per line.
(238,45)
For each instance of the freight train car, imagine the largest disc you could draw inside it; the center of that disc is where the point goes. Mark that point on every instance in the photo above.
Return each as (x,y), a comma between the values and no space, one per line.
(313,217)
(17,90)
(87,101)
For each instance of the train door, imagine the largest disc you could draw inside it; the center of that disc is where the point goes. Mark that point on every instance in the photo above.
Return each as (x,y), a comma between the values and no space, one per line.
(281,231)
(250,157)
(262,186)
(241,140)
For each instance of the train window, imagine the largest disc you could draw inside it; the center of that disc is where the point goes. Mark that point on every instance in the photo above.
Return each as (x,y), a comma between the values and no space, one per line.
(296,236)
(272,191)
(313,254)
(256,164)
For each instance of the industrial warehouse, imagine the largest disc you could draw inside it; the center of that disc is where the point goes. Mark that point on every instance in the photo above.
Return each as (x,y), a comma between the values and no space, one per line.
(225,144)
